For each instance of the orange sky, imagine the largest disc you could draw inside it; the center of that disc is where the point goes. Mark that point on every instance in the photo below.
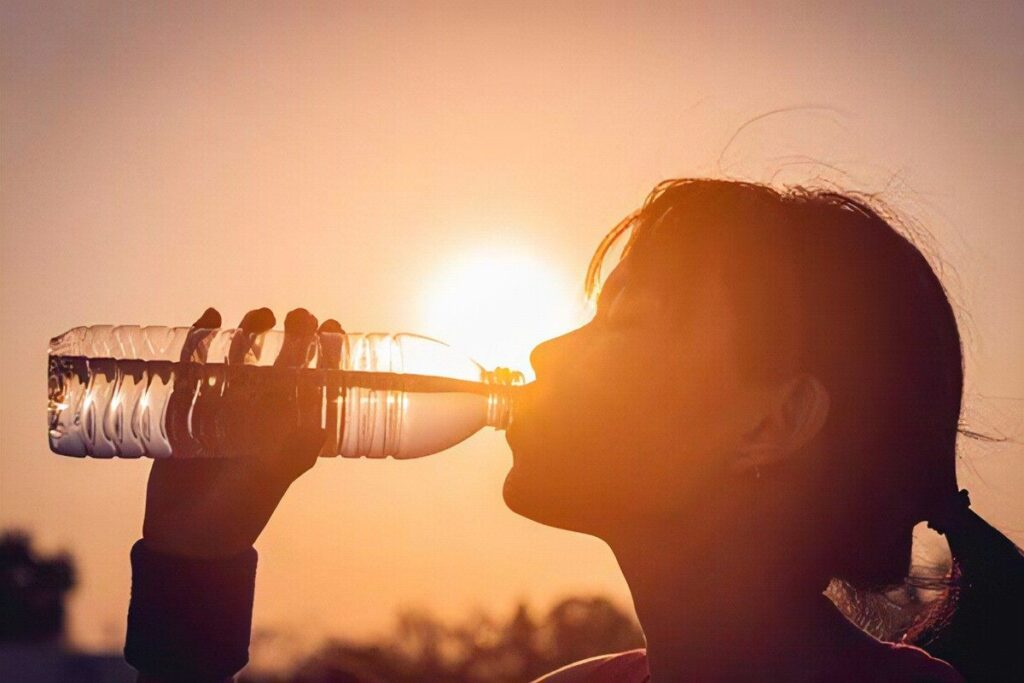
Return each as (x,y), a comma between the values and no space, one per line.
(159,160)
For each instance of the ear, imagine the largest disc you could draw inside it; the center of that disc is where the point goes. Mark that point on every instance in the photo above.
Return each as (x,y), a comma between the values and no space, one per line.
(796,412)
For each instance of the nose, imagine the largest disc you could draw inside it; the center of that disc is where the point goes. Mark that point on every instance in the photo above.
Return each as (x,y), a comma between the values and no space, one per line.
(546,356)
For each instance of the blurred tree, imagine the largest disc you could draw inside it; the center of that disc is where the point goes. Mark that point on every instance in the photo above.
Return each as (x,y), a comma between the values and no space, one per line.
(32,591)
(422,649)
(576,625)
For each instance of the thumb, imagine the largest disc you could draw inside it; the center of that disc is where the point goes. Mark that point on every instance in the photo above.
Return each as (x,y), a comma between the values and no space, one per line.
(300,449)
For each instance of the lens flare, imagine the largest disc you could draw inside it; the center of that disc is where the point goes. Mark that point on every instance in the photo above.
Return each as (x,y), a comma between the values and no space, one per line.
(497,304)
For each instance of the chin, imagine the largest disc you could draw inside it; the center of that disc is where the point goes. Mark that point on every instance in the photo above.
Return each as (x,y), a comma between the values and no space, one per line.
(545,504)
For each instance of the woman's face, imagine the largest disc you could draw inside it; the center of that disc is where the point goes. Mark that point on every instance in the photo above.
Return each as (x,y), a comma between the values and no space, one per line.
(634,416)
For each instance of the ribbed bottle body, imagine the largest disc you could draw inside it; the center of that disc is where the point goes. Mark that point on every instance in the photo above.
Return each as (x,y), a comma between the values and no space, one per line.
(126,392)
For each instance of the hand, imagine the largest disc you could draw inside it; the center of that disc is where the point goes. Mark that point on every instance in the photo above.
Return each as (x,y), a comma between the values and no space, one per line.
(217,506)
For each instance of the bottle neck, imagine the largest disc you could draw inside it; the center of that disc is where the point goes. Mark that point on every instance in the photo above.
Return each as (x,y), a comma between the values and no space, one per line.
(500,399)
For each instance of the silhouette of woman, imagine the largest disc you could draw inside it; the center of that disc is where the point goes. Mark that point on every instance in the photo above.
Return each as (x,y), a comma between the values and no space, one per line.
(765,404)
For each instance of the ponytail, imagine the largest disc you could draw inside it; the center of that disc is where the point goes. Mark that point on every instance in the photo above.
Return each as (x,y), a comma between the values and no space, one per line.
(984,637)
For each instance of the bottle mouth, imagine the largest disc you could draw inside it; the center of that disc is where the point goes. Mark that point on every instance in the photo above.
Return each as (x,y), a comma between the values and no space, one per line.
(500,399)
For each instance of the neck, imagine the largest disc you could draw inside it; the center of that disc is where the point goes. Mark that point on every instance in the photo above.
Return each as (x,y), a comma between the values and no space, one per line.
(718,609)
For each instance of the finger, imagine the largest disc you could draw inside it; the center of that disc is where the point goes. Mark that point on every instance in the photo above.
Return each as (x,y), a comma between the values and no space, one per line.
(299,335)
(239,416)
(296,352)
(329,340)
(197,342)
(245,344)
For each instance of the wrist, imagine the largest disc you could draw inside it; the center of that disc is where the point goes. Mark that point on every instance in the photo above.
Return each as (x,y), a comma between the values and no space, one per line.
(196,547)
(189,618)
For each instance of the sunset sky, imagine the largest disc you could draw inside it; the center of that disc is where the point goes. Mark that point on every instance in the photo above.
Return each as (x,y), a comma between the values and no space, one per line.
(448,169)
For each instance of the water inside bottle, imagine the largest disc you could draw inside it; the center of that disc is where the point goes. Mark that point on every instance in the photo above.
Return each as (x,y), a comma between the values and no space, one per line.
(115,407)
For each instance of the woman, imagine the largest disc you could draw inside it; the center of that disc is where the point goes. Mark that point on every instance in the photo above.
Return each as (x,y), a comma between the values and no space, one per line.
(764,406)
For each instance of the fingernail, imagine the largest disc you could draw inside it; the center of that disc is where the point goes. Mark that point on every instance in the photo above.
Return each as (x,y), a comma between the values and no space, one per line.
(300,320)
(209,319)
(332,326)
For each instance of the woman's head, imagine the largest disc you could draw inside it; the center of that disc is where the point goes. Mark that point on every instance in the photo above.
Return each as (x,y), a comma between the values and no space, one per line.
(750,346)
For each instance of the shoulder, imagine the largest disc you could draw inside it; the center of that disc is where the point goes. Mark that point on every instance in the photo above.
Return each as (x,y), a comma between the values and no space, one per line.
(909,663)
(622,667)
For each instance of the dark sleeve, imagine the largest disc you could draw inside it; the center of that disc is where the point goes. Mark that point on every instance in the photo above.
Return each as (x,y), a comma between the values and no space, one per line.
(189,618)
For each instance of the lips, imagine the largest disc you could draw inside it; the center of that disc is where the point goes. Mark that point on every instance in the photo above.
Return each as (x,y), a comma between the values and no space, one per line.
(521,401)
(513,433)
(510,436)
(520,417)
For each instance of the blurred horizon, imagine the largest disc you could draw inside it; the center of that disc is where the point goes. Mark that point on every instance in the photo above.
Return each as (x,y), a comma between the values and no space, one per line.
(448,169)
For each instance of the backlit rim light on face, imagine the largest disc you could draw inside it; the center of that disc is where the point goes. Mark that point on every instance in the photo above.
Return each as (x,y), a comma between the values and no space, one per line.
(497,304)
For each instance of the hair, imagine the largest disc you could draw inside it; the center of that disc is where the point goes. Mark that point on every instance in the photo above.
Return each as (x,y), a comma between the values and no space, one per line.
(824,284)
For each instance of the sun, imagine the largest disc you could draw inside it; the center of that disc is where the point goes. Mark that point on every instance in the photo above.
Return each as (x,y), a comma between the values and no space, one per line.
(497,304)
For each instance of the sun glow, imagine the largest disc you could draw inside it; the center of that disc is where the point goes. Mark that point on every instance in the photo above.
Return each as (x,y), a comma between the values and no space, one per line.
(496,305)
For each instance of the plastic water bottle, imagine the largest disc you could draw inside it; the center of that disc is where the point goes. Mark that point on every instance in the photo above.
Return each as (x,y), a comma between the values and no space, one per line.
(126,392)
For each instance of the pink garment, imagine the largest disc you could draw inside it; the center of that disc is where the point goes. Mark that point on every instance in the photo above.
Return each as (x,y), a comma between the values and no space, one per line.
(624,667)
(893,664)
